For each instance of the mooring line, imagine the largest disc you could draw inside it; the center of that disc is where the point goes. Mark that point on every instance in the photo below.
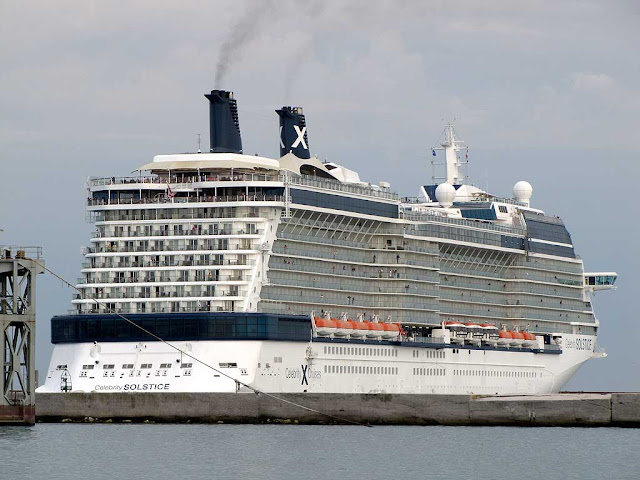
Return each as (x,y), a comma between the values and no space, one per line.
(182,352)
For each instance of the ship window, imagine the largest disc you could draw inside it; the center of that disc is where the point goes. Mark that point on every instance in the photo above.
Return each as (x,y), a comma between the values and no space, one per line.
(127,366)
(145,365)
(187,365)
(502,208)
(85,367)
(108,367)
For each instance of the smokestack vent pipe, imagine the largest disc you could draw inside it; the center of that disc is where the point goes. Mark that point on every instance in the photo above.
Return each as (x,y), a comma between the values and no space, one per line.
(224,125)
(293,132)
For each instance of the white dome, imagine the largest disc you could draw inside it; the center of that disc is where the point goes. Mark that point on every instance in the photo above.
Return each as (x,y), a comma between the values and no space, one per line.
(467,193)
(445,194)
(522,191)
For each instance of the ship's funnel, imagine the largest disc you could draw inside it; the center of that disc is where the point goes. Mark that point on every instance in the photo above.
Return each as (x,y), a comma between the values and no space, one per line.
(293,132)
(224,127)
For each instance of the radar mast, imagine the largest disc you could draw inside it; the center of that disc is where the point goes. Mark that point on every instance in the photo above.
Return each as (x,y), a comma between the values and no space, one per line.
(452,147)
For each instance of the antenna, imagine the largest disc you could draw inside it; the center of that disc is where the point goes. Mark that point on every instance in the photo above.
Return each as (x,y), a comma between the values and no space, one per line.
(451,146)
(199,149)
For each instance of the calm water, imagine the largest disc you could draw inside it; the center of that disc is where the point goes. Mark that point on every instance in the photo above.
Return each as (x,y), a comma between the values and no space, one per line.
(93,451)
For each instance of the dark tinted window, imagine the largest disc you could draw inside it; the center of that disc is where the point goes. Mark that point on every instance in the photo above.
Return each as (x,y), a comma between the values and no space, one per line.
(174,327)
(547,228)
(339,202)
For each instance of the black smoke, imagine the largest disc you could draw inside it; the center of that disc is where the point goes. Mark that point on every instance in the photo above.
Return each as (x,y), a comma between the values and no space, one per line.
(242,32)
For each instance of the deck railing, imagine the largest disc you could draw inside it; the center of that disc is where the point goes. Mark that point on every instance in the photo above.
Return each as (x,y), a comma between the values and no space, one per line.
(91,202)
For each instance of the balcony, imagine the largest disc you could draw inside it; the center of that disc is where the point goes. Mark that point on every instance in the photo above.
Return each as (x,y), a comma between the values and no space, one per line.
(177,181)
(187,199)
(171,278)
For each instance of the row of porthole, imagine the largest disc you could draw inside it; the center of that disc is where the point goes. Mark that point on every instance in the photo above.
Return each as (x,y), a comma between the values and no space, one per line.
(361,351)
(495,373)
(429,353)
(359,369)
(130,366)
(440,372)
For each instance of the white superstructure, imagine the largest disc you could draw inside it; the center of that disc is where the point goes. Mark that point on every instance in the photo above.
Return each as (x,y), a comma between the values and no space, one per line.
(294,275)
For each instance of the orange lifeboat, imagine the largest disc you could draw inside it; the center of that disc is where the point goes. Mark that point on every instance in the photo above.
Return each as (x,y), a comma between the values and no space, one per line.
(391,330)
(518,339)
(529,339)
(374,329)
(505,338)
(358,329)
(343,328)
(324,327)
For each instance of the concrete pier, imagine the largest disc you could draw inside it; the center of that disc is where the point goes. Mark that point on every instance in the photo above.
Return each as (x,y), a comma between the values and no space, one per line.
(567,410)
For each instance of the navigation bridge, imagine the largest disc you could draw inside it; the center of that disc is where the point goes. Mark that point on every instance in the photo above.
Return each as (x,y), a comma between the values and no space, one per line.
(600,281)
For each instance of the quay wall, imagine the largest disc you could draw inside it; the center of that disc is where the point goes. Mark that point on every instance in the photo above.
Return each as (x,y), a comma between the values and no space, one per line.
(568,409)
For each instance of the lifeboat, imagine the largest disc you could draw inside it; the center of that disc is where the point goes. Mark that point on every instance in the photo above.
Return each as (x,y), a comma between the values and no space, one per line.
(391,331)
(343,328)
(358,329)
(476,333)
(529,339)
(324,326)
(475,329)
(518,339)
(491,333)
(374,330)
(504,338)
(458,331)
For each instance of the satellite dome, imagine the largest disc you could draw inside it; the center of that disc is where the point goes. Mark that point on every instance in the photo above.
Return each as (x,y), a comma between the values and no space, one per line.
(445,194)
(522,191)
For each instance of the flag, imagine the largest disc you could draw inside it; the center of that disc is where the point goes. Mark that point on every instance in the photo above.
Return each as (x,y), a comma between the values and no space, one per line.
(433,152)
(170,192)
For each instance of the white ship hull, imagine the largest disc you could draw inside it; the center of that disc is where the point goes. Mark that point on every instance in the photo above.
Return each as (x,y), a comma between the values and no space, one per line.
(319,367)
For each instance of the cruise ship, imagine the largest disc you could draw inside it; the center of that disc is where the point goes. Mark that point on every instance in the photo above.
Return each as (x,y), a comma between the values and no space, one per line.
(228,272)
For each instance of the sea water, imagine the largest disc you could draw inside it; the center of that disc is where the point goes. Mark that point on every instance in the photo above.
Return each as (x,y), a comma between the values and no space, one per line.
(160,451)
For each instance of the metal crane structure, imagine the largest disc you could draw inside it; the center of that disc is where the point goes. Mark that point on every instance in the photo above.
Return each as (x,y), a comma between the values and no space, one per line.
(19,267)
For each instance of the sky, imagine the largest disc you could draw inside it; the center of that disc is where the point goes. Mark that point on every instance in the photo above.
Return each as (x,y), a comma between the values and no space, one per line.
(543,91)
